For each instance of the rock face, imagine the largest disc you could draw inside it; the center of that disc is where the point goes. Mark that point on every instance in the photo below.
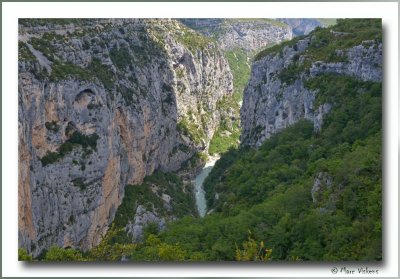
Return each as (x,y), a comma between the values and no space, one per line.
(321,182)
(364,62)
(143,218)
(301,26)
(276,95)
(247,34)
(102,104)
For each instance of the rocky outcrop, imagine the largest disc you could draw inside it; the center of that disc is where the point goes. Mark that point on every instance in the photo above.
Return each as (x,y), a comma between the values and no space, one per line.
(247,34)
(269,105)
(301,26)
(325,193)
(144,218)
(363,62)
(322,182)
(102,104)
(276,95)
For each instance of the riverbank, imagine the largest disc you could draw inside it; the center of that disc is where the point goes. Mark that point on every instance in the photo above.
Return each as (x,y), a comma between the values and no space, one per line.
(198,185)
(212,159)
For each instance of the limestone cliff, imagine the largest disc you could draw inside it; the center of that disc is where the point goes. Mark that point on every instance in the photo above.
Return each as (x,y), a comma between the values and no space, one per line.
(239,39)
(250,34)
(301,26)
(102,104)
(277,94)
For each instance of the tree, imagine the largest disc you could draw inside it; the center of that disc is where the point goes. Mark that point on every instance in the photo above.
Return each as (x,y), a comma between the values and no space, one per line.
(56,253)
(23,255)
(253,251)
(109,249)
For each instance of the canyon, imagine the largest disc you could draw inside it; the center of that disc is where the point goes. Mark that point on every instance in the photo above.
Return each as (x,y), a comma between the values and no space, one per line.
(120,121)
(104,106)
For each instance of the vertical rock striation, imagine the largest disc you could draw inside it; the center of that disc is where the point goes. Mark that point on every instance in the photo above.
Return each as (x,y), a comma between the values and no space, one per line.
(248,34)
(277,96)
(102,104)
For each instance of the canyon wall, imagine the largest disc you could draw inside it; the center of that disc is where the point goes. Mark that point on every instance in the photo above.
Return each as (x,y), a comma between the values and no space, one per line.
(102,104)
(277,95)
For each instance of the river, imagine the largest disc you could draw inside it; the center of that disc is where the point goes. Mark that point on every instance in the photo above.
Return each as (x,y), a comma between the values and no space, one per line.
(198,185)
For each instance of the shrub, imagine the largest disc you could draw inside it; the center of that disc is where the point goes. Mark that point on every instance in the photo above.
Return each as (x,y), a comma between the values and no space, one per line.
(50,158)
(194,41)
(192,130)
(88,143)
(23,255)
(83,140)
(44,46)
(102,72)
(120,57)
(61,71)
(238,63)
(24,53)
(57,254)
(79,182)
(52,126)
(253,251)
(273,50)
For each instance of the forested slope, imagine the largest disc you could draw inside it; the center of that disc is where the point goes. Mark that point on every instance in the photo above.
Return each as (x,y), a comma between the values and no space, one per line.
(306,183)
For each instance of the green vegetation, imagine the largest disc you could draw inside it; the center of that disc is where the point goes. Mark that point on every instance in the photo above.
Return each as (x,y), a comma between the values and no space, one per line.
(194,41)
(191,129)
(127,94)
(325,45)
(331,87)
(239,189)
(238,61)
(24,53)
(255,21)
(222,142)
(93,106)
(103,73)
(79,182)
(23,255)
(61,71)
(155,250)
(262,202)
(325,42)
(291,73)
(113,247)
(195,161)
(40,73)
(54,21)
(278,48)
(228,133)
(253,251)
(180,72)
(107,250)
(120,57)
(57,254)
(52,126)
(50,158)
(44,46)
(182,202)
(88,144)
(345,34)
(83,140)
(265,211)
(269,192)
(50,36)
